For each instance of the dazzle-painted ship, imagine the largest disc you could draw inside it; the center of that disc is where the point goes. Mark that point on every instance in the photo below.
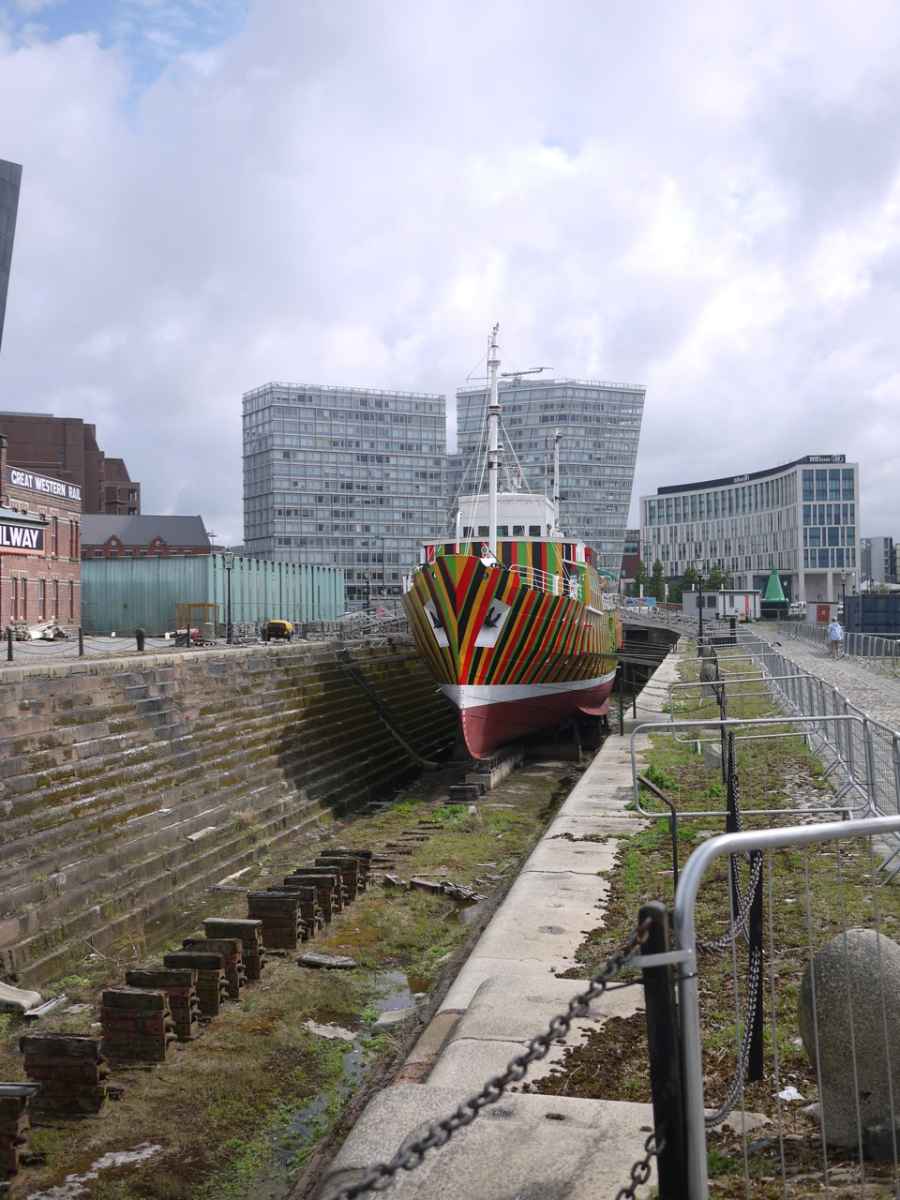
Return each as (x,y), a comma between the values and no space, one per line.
(510,615)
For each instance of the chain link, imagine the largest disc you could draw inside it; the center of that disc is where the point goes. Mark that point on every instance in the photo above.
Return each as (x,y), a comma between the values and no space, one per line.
(412,1154)
(640,1171)
(739,927)
(737,1084)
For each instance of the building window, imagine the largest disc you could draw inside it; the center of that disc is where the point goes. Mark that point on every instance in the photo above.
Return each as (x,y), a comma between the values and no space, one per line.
(71,600)
(42,599)
(14,598)
(56,611)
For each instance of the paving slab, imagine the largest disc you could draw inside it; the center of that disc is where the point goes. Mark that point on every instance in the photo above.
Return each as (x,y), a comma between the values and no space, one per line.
(561,853)
(545,917)
(526,1146)
(498,1025)
(490,1016)
(479,967)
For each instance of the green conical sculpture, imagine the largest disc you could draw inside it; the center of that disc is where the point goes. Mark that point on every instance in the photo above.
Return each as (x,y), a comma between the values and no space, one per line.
(774,592)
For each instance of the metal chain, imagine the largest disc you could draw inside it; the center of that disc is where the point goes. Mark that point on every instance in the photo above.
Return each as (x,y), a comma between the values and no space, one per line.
(739,927)
(737,1084)
(412,1154)
(745,900)
(640,1171)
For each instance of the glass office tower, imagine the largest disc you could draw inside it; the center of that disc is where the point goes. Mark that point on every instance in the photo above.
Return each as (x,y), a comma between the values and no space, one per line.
(347,477)
(600,424)
(10,180)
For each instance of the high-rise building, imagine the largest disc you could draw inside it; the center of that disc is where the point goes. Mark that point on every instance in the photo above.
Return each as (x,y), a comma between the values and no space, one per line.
(347,477)
(801,518)
(600,424)
(10,180)
(877,563)
(67,448)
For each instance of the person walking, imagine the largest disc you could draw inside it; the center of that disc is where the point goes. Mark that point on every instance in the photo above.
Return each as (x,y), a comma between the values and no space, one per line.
(835,635)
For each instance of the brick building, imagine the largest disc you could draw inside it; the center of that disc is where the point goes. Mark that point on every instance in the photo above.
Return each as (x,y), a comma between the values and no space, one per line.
(66,448)
(145,536)
(40,547)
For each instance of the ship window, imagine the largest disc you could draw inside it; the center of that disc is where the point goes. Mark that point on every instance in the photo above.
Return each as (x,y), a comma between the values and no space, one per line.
(483,530)
(534,531)
(518,530)
(467,531)
(502,531)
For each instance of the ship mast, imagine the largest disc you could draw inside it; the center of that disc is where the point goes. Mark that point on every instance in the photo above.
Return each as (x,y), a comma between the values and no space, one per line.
(556,438)
(493,460)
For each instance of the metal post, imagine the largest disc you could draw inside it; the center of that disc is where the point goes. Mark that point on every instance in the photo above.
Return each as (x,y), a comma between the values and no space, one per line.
(139,638)
(755,946)
(621,705)
(664,1047)
(228,626)
(870,764)
(9,644)
(700,610)
(80,642)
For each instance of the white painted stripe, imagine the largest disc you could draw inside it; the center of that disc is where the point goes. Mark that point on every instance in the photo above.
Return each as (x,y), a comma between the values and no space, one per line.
(471,695)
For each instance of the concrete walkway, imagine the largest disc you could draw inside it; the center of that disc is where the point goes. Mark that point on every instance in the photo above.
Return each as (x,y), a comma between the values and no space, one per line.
(526,1146)
(876,694)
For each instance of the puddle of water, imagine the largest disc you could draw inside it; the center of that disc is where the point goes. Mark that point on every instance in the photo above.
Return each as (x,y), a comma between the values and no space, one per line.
(307,1122)
(75,1186)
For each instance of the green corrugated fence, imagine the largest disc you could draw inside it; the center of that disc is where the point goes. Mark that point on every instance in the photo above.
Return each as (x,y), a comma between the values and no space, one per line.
(121,594)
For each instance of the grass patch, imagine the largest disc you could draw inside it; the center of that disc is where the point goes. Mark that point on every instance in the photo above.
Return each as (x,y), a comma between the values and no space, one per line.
(835,885)
(239,1112)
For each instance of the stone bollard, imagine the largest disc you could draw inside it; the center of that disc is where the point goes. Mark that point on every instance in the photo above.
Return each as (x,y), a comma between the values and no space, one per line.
(137,1025)
(180,987)
(250,934)
(232,952)
(853,972)
(212,986)
(71,1071)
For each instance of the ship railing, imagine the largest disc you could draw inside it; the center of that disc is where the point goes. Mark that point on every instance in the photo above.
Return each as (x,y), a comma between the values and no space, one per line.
(544,581)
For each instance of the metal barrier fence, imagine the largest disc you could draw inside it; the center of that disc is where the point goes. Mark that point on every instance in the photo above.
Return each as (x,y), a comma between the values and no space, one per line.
(845,1008)
(867,750)
(14,652)
(881,649)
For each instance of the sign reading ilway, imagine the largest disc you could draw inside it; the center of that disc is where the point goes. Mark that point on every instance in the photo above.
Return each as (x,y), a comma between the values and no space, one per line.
(21,539)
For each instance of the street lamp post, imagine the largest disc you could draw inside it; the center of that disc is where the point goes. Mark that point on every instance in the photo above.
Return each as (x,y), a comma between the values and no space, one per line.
(700,609)
(228,563)
(844,596)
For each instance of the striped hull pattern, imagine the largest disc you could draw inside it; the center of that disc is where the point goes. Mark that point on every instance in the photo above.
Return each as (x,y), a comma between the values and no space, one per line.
(512,658)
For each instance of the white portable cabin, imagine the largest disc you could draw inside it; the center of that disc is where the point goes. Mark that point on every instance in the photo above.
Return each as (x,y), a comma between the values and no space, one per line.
(724,603)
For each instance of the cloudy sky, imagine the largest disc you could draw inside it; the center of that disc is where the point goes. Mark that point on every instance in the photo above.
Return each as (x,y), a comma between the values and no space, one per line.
(699,197)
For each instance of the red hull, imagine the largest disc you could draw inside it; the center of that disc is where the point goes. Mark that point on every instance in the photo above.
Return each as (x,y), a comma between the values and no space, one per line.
(486,727)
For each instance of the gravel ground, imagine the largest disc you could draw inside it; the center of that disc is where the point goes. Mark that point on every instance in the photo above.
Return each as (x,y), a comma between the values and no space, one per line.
(876,694)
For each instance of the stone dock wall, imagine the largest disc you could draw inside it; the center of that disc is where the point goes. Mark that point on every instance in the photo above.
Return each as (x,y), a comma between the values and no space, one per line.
(128,786)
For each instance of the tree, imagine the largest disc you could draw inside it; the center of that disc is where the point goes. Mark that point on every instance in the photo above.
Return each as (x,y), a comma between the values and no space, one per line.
(716,579)
(689,579)
(640,579)
(657,586)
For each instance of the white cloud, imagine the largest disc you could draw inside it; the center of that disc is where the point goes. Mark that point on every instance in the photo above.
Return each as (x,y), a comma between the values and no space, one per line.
(702,199)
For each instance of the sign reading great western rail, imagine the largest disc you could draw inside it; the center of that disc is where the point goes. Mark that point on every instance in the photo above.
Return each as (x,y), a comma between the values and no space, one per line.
(21,539)
(42,483)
